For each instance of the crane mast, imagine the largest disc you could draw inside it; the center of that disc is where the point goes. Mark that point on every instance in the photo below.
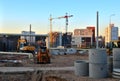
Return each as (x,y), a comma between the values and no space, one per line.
(51,37)
(66,17)
(30,35)
(51,40)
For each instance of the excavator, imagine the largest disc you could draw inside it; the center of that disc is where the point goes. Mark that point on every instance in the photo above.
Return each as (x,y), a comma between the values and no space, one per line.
(42,57)
(24,46)
(111,45)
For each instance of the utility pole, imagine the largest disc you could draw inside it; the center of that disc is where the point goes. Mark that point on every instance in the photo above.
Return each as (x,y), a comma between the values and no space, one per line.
(51,40)
(110,26)
(30,34)
(97,24)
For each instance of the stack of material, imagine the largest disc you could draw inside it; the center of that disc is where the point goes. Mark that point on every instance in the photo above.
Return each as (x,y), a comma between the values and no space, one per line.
(15,58)
(116,73)
(116,63)
(98,63)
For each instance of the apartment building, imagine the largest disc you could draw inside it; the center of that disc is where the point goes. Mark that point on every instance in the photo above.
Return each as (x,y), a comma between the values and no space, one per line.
(83,37)
(111,33)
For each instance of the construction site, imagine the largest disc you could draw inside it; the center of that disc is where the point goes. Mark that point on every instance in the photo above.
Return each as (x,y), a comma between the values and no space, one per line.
(69,67)
(58,56)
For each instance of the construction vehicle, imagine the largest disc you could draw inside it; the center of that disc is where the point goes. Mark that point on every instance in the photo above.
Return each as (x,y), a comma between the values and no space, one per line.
(43,56)
(111,45)
(24,46)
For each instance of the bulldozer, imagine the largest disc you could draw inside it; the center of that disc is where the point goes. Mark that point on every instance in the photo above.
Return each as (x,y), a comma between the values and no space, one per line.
(111,45)
(24,46)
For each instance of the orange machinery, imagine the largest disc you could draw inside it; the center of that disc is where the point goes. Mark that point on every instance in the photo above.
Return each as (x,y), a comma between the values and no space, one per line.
(43,56)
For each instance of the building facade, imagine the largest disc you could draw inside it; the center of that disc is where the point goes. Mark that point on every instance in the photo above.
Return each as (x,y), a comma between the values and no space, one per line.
(83,38)
(29,36)
(111,33)
(59,39)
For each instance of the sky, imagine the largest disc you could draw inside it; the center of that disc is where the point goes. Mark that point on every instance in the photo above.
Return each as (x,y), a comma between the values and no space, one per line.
(17,15)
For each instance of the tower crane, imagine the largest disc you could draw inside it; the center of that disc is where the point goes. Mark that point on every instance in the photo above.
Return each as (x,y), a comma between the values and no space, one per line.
(51,39)
(66,17)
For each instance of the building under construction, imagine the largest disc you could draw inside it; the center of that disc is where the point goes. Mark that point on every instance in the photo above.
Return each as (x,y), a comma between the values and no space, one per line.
(55,38)
(84,38)
(61,39)
(8,41)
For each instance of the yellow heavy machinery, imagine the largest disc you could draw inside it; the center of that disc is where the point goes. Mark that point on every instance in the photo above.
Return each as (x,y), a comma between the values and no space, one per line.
(43,56)
(24,46)
(111,45)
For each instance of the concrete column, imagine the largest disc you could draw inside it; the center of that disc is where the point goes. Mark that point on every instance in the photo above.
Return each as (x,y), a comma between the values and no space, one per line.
(60,39)
(91,41)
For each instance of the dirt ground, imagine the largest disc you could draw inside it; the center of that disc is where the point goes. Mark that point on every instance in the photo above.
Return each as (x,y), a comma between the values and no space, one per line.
(56,61)
(61,60)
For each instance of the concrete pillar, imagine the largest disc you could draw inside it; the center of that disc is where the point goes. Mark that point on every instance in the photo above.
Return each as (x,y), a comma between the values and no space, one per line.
(60,39)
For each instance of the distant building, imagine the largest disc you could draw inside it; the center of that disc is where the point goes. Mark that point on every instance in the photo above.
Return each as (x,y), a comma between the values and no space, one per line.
(8,41)
(93,32)
(29,36)
(56,39)
(101,41)
(111,33)
(66,39)
(83,37)
(59,39)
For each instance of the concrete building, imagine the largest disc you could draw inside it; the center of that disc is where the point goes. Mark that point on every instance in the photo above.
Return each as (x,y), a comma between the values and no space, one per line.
(81,41)
(66,39)
(29,36)
(93,32)
(56,39)
(60,39)
(111,33)
(83,37)
(101,41)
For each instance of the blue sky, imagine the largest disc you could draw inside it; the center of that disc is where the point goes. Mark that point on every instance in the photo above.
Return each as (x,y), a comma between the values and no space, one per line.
(16,15)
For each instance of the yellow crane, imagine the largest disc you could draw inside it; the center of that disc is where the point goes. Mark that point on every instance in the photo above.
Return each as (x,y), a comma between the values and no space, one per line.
(51,37)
